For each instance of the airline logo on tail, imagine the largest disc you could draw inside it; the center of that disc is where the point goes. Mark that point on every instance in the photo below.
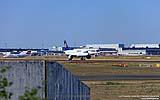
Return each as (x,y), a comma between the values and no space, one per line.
(66,47)
(65,44)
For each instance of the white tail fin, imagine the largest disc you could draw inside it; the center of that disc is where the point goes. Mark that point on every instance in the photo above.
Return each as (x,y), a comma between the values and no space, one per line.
(26,52)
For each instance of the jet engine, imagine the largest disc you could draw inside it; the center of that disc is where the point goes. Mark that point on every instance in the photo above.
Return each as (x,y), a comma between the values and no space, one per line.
(88,56)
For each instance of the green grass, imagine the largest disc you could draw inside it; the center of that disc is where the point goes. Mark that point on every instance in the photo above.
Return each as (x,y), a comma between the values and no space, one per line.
(109,68)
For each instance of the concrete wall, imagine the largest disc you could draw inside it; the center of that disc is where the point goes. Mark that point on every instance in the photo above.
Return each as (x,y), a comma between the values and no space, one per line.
(24,74)
(52,80)
(65,86)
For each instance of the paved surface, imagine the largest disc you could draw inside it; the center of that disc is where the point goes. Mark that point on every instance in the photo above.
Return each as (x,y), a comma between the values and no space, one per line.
(109,60)
(119,77)
(87,61)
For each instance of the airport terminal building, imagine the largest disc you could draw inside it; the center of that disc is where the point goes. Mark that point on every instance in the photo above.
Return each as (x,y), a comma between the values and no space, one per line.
(111,46)
(106,49)
(145,46)
(140,49)
(132,50)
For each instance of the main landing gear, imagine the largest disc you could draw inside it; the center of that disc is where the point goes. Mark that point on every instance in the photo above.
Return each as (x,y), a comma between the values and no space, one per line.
(70,57)
(82,58)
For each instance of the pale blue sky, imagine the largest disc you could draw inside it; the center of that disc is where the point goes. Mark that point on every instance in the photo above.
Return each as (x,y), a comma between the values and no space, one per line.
(31,23)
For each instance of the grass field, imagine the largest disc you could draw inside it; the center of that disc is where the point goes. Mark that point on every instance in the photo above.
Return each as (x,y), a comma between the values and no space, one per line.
(94,58)
(81,69)
(128,57)
(119,90)
(124,90)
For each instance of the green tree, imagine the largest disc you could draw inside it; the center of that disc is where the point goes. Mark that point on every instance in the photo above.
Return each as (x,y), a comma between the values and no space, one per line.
(4,83)
(30,95)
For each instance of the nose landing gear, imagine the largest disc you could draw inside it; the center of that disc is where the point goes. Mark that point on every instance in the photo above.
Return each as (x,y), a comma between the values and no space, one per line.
(70,57)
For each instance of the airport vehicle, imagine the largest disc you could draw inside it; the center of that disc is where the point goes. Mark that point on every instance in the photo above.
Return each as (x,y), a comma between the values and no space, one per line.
(22,54)
(81,53)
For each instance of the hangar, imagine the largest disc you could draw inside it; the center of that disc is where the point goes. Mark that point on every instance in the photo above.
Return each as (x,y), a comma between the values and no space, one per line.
(111,46)
(131,51)
(145,45)
(139,51)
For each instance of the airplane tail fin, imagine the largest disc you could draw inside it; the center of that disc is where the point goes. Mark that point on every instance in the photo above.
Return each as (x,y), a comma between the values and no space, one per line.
(28,52)
(65,44)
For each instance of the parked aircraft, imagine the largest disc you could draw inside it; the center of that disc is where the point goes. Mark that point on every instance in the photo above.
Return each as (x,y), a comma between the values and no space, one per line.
(22,54)
(80,52)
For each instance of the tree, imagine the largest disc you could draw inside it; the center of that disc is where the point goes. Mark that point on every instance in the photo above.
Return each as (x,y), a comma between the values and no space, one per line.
(4,84)
(30,95)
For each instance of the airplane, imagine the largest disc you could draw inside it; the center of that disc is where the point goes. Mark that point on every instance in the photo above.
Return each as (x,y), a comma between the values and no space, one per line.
(22,54)
(80,52)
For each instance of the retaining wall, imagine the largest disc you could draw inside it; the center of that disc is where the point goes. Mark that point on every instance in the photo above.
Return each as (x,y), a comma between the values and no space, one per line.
(51,79)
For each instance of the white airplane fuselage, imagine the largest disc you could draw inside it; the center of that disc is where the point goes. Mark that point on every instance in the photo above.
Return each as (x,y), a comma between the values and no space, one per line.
(82,53)
(22,54)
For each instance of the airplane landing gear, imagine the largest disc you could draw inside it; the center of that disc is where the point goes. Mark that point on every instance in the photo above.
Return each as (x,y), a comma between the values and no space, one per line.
(70,57)
(88,56)
(82,58)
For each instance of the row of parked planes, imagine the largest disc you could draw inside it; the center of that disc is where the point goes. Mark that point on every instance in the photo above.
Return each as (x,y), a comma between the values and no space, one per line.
(81,53)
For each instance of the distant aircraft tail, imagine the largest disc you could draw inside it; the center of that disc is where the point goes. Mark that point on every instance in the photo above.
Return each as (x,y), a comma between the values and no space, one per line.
(28,52)
(65,44)
(66,47)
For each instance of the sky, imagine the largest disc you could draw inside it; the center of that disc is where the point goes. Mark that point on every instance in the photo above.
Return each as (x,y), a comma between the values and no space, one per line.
(45,23)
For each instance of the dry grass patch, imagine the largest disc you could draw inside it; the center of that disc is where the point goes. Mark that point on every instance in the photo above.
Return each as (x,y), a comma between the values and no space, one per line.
(113,90)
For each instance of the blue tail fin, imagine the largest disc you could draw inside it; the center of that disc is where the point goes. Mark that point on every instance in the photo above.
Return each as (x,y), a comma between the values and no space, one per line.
(66,45)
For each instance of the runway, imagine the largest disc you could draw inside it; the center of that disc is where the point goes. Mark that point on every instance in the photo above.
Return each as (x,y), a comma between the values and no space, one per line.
(87,61)
(119,77)
(109,60)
